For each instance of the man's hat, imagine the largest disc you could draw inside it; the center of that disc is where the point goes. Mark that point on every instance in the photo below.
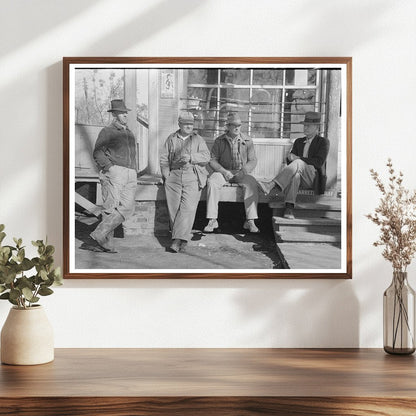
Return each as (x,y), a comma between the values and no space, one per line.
(118,105)
(312,117)
(186,117)
(234,118)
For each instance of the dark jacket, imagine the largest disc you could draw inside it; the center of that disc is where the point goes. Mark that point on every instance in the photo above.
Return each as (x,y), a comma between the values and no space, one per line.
(221,157)
(115,145)
(318,152)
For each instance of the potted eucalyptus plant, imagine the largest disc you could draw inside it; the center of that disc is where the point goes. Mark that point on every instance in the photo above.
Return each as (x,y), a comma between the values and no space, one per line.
(26,336)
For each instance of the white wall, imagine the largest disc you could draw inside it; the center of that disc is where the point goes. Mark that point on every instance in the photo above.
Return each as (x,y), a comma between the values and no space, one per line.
(380,35)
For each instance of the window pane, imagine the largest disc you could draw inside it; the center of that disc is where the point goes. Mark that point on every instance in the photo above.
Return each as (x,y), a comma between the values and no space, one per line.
(202,76)
(268,76)
(298,77)
(94,89)
(235,100)
(235,76)
(297,103)
(266,112)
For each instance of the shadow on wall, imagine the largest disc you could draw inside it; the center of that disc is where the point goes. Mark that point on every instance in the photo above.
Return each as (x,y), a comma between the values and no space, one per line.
(301,314)
(130,33)
(39,17)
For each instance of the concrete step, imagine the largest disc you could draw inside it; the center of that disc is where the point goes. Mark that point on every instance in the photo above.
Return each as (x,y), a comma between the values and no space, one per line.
(296,236)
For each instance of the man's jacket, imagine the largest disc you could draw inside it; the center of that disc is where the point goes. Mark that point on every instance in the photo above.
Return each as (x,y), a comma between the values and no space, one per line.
(317,154)
(221,154)
(197,149)
(115,145)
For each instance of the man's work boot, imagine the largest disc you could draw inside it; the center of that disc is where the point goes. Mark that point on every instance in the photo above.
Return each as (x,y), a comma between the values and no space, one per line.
(289,212)
(183,246)
(103,234)
(251,226)
(176,246)
(211,226)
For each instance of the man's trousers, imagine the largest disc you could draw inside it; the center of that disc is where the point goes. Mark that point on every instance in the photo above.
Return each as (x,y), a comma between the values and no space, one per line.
(118,186)
(250,188)
(297,174)
(182,196)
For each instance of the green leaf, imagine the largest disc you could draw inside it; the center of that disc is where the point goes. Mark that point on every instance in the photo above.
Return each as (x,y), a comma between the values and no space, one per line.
(49,250)
(25,282)
(57,276)
(27,293)
(15,294)
(5,295)
(2,288)
(26,264)
(21,254)
(37,243)
(45,291)
(2,236)
(1,227)
(18,242)
(8,277)
(43,274)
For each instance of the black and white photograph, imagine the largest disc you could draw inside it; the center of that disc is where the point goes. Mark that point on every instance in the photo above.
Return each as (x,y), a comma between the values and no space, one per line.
(209,167)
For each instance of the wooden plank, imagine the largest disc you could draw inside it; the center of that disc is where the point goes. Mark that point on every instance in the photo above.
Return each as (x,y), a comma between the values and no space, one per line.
(88,205)
(295,236)
(303,256)
(307,221)
(246,382)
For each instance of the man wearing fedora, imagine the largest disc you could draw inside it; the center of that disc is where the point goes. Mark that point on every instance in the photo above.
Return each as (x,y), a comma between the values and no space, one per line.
(233,158)
(183,163)
(306,165)
(115,156)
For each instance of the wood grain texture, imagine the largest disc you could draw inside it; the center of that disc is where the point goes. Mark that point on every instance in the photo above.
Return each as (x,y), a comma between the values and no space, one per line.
(212,381)
(67,61)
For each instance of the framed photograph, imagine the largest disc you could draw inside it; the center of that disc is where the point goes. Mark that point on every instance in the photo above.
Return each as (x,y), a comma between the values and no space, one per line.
(207,167)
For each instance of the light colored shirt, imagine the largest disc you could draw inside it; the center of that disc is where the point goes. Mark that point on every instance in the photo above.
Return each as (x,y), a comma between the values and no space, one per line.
(236,162)
(307,146)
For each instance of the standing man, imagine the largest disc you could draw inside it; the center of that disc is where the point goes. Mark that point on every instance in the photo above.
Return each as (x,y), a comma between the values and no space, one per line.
(115,156)
(182,162)
(306,165)
(233,159)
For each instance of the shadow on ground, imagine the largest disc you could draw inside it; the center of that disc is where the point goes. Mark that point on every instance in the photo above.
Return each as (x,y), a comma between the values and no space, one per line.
(230,247)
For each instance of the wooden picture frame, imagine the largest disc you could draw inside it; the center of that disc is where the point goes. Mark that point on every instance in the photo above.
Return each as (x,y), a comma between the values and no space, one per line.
(271,96)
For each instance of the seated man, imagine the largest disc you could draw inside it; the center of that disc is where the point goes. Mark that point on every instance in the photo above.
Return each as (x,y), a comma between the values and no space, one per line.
(232,159)
(306,165)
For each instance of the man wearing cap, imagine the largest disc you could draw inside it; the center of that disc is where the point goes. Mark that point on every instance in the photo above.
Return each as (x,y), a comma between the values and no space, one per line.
(182,162)
(306,165)
(233,159)
(115,156)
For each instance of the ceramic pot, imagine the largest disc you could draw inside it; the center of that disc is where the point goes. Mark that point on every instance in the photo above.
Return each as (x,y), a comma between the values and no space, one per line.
(27,337)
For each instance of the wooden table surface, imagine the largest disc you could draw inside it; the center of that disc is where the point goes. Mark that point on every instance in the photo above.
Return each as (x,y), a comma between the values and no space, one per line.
(212,382)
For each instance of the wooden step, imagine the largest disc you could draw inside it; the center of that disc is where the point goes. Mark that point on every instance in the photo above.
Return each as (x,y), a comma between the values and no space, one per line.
(310,255)
(318,225)
(333,204)
(296,236)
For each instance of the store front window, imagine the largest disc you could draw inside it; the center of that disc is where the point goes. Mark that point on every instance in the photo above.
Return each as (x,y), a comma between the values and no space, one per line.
(270,102)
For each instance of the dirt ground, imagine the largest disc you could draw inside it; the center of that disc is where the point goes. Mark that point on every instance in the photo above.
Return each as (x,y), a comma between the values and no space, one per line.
(230,247)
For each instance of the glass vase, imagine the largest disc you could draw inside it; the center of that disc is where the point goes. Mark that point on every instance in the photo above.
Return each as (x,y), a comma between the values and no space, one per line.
(399,316)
